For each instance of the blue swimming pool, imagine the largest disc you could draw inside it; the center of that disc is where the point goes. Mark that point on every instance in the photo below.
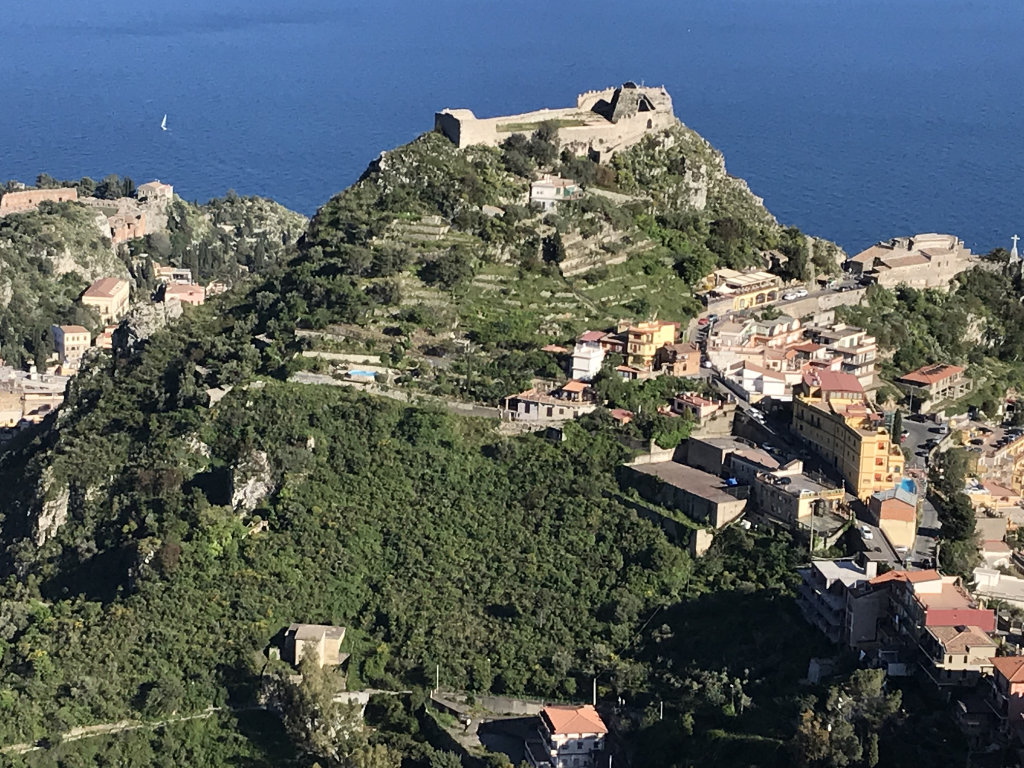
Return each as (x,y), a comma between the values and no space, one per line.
(908,485)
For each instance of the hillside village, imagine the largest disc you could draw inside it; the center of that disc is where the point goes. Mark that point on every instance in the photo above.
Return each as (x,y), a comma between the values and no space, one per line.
(733,388)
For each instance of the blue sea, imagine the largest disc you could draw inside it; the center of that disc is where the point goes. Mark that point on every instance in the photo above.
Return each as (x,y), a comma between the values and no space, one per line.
(856,120)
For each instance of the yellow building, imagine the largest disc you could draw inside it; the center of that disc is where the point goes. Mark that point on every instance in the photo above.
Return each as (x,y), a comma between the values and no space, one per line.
(109,297)
(832,415)
(729,290)
(645,339)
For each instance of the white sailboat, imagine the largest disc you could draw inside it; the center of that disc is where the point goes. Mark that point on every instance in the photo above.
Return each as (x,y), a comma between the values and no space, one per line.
(163,124)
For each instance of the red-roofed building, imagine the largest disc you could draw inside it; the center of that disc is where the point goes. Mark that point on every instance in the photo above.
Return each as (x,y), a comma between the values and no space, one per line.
(567,737)
(186,294)
(932,617)
(1008,692)
(621,415)
(930,384)
(844,385)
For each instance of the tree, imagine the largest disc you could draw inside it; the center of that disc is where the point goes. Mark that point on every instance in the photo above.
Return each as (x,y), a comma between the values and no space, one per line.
(553,249)
(320,726)
(450,270)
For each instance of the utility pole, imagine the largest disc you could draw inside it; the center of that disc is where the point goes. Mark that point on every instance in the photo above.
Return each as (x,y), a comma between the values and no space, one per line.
(661,710)
(595,692)
(437,678)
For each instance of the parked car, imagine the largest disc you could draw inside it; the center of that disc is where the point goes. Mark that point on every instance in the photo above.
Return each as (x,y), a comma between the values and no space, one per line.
(800,293)
(790,296)
(866,534)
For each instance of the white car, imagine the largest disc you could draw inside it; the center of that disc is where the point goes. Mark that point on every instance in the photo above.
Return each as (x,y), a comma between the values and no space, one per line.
(801,293)
(789,296)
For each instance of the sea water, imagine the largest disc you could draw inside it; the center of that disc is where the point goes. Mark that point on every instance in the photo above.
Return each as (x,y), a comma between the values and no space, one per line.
(854,120)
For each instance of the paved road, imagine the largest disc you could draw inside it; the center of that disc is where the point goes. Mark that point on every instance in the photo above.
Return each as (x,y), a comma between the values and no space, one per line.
(927,534)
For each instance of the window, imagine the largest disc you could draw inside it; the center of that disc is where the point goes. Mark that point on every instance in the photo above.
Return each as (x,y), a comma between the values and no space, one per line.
(579,745)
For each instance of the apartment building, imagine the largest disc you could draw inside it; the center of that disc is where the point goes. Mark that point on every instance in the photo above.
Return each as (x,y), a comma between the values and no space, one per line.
(857,349)
(644,339)
(832,415)
(1007,699)
(935,619)
(825,593)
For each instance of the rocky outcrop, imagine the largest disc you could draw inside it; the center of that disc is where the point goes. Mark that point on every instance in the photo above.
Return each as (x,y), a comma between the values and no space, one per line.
(251,481)
(53,512)
(143,321)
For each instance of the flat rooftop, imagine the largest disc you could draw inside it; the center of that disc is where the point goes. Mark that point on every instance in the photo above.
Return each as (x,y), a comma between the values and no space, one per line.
(695,481)
(845,571)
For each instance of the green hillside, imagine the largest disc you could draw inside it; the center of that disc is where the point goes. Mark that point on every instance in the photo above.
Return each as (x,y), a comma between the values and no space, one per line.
(154,547)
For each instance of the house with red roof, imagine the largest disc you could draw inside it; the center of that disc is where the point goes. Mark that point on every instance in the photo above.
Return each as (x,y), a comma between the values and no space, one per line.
(567,737)
(933,383)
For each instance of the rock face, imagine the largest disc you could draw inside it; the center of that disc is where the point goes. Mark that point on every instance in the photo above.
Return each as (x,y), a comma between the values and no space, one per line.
(54,510)
(143,322)
(251,481)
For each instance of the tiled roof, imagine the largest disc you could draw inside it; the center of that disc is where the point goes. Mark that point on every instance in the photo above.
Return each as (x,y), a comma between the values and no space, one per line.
(961,639)
(929,374)
(592,336)
(833,381)
(1010,667)
(912,576)
(565,720)
(73,329)
(574,386)
(897,509)
(103,288)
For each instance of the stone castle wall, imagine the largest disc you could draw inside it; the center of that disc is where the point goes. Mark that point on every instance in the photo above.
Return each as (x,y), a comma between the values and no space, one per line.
(594,128)
(26,200)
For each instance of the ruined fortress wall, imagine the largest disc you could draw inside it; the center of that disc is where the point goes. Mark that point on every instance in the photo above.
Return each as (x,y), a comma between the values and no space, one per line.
(586,101)
(594,134)
(28,199)
(464,129)
(604,139)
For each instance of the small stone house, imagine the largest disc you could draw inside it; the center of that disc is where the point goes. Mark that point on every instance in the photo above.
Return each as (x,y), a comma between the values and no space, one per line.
(320,641)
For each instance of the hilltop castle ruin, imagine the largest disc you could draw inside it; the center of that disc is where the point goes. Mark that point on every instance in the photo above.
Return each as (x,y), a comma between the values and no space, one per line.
(601,124)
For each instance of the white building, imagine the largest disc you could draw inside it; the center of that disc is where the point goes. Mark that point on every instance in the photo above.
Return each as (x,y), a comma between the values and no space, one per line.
(587,358)
(549,191)
(70,342)
(567,737)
